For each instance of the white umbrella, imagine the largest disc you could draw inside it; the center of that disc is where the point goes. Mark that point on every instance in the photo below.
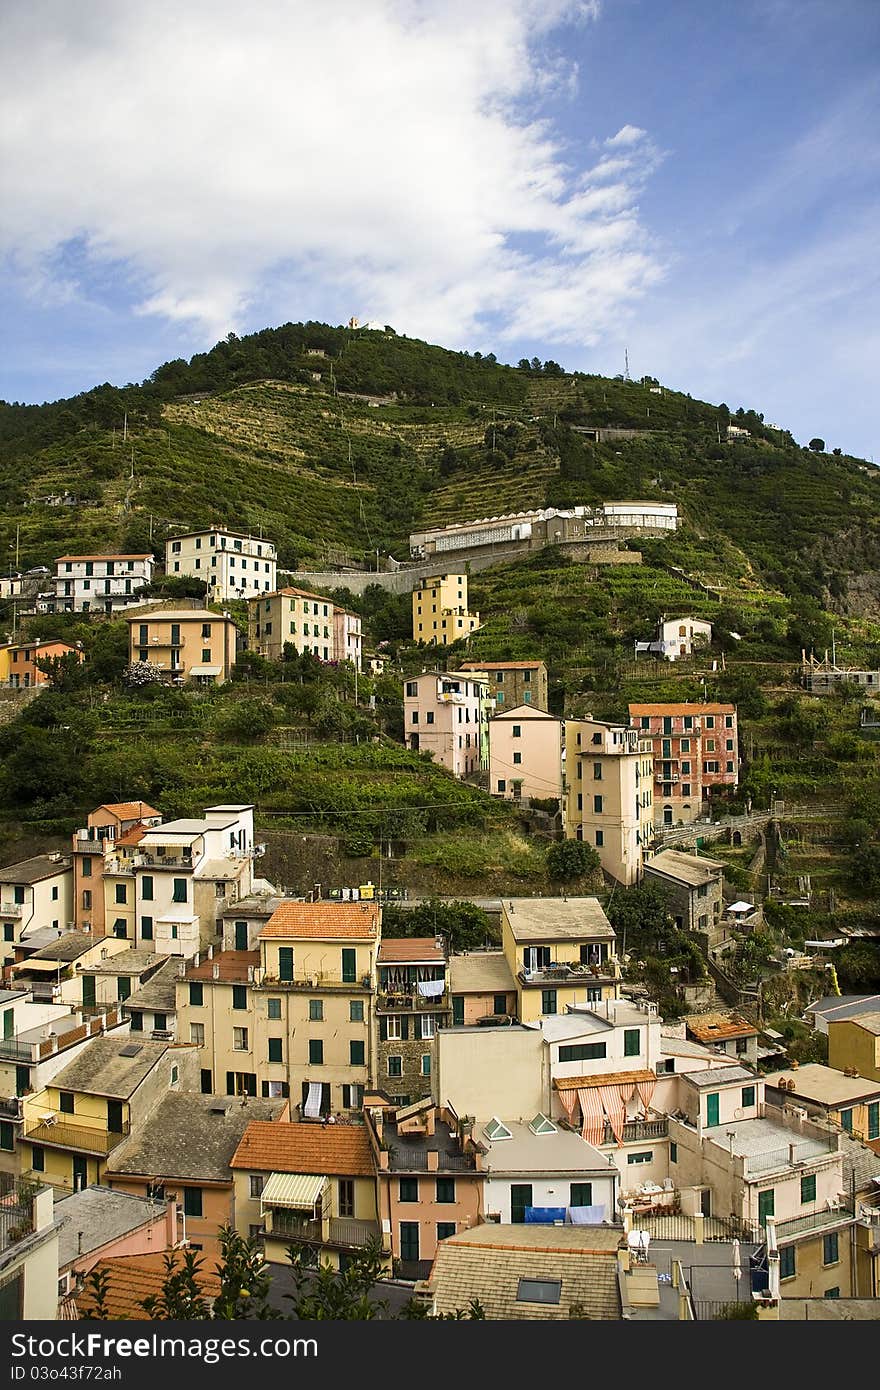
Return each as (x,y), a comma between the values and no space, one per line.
(737,1266)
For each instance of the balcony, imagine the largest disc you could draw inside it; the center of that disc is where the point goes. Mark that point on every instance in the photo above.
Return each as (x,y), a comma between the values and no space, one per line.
(604,972)
(346,1232)
(829,1216)
(392,1002)
(636,1130)
(10,1107)
(60,1135)
(164,861)
(11,909)
(317,979)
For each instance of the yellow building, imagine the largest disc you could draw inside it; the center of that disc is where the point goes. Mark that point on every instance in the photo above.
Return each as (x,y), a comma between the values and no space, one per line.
(440,609)
(609,794)
(292,617)
(295,1017)
(560,951)
(307,1183)
(185,644)
(842,1096)
(854,1044)
(74,1123)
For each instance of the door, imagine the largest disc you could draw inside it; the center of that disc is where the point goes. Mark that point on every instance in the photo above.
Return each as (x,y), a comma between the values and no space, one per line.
(706,1201)
(458,1010)
(80,1172)
(766,1205)
(409,1241)
(22,1079)
(88,984)
(712,1109)
(241,936)
(520,1198)
(114,1117)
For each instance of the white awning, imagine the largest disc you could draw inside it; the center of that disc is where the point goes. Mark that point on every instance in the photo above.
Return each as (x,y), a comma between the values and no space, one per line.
(178,917)
(741,907)
(204,670)
(295,1190)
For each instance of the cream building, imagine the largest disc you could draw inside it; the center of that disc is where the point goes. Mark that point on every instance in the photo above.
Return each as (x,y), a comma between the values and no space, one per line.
(561,952)
(294,1017)
(185,644)
(446,713)
(440,609)
(99,583)
(525,754)
(232,564)
(34,894)
(310,623)
(609,794)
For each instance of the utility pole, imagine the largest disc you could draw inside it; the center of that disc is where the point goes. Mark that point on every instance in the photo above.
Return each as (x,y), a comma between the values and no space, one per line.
(125,427)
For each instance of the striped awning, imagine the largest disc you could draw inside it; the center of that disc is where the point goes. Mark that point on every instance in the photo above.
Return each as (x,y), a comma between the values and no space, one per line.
(297,1190)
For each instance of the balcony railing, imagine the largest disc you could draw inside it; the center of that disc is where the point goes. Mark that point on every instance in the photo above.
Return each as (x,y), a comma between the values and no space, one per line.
(317,979)
(344,1231)
(22,1050)
(165,861)
(635,1130)
(65,1136)
(402,1003)
(11,909)
(10,1107)
(573,974)
(814,1221)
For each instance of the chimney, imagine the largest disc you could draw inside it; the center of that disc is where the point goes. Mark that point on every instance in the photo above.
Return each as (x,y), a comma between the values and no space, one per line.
(215,971)
(792,1153)
(210,952)
(181,968)
(79,1242)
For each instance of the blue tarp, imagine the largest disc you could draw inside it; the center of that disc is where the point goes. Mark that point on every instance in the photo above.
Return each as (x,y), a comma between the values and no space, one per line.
(544,1216)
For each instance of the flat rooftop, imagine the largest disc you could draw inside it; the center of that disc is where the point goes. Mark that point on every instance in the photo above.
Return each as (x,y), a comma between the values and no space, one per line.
(693,869)
(563,1151)
(825,1085)
(480,972)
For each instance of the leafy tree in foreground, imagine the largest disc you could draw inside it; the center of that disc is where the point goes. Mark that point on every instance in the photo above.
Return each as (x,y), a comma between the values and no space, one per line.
(568,860)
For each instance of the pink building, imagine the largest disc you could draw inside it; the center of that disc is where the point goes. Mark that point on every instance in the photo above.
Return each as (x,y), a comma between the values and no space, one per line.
(445,713)
(347,636)
(695,753)
(97,1222)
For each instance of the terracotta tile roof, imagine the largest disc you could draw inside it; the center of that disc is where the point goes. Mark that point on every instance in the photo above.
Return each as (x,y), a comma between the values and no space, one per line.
(232,965)
(356,920)
(612,1078)
(144,555)
(410,948)
(130,810)
(501,665)
(132,1278)
(708,1028)
(132,836)
(283,1147)
(682,709)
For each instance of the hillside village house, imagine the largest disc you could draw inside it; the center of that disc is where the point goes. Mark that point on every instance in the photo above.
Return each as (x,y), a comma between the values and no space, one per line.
(18,661)
(831,1008)
(34,893)
(608,794)
(310,623)
(481,986)
(231,563)
(74,1124)
(695,750)
(314,1185)
(852,1102)
(184,1152)
(294,1017)
(106,983)
(561,951)
(525,755)
(728,1033)
(677,637)
(185,644)
(540,1169)
(513,683)
(854,1044)
(51,973)
(445,713)
(411,1005)
(693,885)
(96,1223)
(28,1263)
(93,845)
(440,610)
(100,583)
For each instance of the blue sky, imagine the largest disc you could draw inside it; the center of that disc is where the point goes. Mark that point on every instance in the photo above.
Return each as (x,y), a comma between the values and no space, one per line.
(694,182)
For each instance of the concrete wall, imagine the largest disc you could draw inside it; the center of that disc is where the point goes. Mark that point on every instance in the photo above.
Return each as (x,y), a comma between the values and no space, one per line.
(490,1071)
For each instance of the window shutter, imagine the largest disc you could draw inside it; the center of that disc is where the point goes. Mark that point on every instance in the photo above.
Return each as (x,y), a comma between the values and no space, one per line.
(265,1089)
(383,1029)
(405,1028)
(417,1027)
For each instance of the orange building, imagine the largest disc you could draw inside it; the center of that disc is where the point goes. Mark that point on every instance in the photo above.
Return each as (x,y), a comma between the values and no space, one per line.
(696,752)
(20,660)
(93,850)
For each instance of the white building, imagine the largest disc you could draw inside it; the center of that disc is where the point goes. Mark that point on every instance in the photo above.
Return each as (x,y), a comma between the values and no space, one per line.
(677,637)
(99,583)
(232,564)
(542,1165)
(649,516)
(347,637)
(186,871)
(34,893)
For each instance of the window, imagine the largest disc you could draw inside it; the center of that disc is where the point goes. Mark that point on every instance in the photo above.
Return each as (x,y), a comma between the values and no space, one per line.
(137,1023)
(548,1001)
(645,1157)
(846,1120)
(123,987)
(273,1008)
(831,1248)
(239,996)
(409,1190)
(517,759)
(446,1228)
(409,1241)
(446,1189)
(356,1011)
(580,1194)
(395,1066)
(787,1262)
(346,1197)
(349,965)
(239,1040)
(197,1034)
(766,1205)
(582,1052)
(517,731)
(808,1188)
(712,1108)
(192,1201)
(196,993)
(352,1097)
(276,1050)
(7,1136)
(631,1045)
(38,1158)
(316,1010)
(538,1290)
(179,894)
(835,1292)
(874,1120)
(65,1102)
(86,899)
(285,962)
(742,1045)
(748,1097)
(147,928)
(600,839)
(673,1152)
(147,888)
(121,893)
(426,1064)
(257,1182)
(356,1054)
(393,1029)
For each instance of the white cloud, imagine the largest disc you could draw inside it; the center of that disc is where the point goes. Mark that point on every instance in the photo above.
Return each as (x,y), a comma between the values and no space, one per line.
(393,151)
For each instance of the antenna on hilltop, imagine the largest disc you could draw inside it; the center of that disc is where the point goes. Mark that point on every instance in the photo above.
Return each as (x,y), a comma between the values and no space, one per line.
(626,375)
